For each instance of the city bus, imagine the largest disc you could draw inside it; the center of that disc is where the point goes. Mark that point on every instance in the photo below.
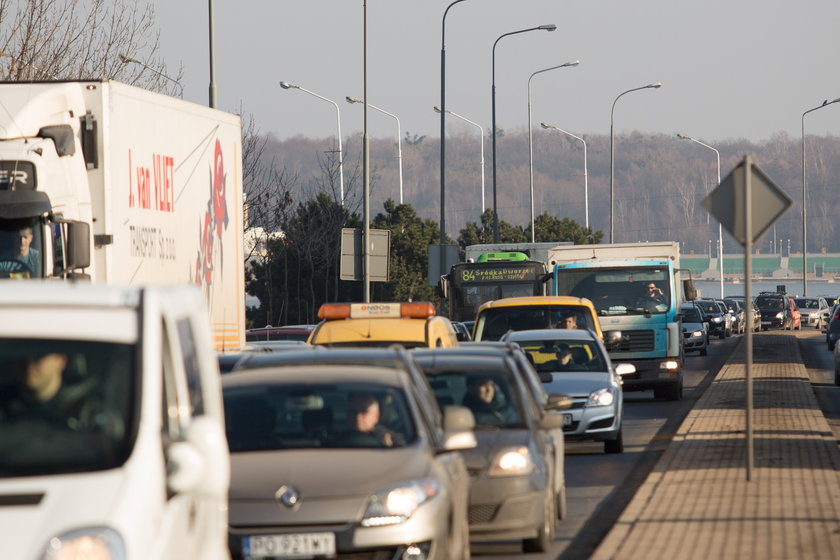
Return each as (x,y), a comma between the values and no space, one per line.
(493,276)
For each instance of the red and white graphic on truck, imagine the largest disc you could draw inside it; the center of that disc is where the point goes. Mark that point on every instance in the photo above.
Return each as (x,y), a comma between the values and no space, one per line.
(213,223)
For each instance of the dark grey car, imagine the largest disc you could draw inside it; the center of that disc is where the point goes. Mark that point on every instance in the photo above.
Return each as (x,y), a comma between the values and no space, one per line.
(517,487)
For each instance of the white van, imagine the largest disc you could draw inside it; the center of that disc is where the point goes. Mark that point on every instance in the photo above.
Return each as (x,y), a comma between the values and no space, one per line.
(112,438)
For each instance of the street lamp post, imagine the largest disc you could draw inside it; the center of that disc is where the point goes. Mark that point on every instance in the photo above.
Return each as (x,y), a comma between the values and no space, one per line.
(720,226)
(548,27)
(352,100)
(481,141)
(585,173)
(531,138)
(287,85)
(127,59)
(612,155)
(805,202)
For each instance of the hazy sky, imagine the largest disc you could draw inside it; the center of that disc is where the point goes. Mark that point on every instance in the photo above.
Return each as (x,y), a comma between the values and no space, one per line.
(729,68)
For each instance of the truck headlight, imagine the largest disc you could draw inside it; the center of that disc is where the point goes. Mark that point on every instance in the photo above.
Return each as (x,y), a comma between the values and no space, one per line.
(780,315)
(396,504)
(601,397)
(94,543)
(696,334)
(513,461)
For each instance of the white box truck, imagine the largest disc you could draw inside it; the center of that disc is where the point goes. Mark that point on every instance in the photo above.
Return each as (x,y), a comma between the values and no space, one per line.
(112,441)
(635,290)
(108,182)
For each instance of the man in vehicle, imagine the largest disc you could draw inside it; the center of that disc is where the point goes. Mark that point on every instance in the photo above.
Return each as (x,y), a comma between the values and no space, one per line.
(363,413)
(568,321)
(40,394)
(486,402)
(18,246)
(653,294)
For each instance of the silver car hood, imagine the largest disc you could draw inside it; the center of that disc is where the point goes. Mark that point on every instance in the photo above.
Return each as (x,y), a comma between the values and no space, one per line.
(577,383)
(329,485)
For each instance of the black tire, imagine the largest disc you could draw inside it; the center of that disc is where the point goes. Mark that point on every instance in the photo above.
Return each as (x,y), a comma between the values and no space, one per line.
(836,376)
(562,508)
(545,534)
(671,392)
(615,445)
(722,335)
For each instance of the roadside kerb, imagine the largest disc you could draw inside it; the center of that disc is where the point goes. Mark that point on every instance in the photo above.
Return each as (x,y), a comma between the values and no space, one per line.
(696,503)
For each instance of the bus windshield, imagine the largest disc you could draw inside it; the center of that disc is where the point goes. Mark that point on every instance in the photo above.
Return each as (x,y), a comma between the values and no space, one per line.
(472,284)
(618,291)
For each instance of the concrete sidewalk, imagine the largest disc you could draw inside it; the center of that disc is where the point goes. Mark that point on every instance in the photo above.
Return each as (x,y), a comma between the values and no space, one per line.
(697,503)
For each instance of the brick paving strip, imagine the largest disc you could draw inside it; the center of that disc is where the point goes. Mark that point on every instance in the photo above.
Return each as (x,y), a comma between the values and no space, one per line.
(697,503)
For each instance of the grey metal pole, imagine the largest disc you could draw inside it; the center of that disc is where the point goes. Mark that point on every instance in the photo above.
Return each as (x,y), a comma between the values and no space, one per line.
(548,27)
(366,148)
(531,138)
(212,56)
(748,298)
(805,202)
(481,140)
(612,156)
(399,144)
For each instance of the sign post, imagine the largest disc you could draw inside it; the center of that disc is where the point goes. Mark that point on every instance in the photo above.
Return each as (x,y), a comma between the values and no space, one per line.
(747,203)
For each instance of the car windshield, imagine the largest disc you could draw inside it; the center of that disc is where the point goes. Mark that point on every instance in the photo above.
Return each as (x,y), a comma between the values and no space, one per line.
(564,355)
(327,416)
(493,323)
(709,307)
(489,394)
(691,315)
(65,406)
(806,303)
(769,302)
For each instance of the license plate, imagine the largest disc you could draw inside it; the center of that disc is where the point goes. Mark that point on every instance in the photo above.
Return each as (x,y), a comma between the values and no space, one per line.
(294,545)
(567,420)
(765,322)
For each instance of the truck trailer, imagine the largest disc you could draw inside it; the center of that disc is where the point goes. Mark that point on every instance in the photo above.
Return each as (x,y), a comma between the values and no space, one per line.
(115,184)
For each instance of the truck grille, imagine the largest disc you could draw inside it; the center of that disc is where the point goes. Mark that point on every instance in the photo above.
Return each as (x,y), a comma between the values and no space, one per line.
(636,341)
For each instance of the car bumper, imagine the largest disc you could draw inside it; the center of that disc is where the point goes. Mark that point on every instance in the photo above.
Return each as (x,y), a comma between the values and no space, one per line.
(506,508)
(772,323)
(649,375)
(693,344)
(592,423)
(426,528)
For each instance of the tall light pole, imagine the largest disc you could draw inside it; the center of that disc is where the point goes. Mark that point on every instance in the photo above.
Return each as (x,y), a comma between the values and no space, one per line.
(212,55)
(443,136)
(548,27)
(481,140)
(612,155)
(287,85)
(127,59)
(531,137)
(720,226)
(805,202)
(352,100)
(585,173)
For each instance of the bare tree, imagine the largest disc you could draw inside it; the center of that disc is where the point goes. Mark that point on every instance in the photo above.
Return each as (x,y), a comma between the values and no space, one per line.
(82,40)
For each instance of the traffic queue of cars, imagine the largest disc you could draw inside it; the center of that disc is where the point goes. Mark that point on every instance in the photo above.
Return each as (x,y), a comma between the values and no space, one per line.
(386,437)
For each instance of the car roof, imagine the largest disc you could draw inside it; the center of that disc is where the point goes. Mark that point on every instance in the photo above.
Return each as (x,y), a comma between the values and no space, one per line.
(320,355)
(551,334)
(535,300)
(315,373)
(450,357)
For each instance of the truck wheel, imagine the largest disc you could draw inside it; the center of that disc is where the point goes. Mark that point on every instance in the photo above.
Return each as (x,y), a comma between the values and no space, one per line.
(671,392)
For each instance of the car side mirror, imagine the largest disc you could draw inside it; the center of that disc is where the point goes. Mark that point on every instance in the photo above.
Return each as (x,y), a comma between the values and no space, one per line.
(624,369)
(559,402)
(458,424)
(551,421)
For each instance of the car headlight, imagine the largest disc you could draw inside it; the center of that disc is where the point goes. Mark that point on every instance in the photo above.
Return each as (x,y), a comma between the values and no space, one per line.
(780,315)
(716,319)
(601,397)
(396,504)
(512,461)
(696,334)
(94,543)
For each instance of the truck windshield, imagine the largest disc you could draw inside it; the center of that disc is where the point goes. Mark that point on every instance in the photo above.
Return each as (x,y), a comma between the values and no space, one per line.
(21,247)
(618,291)
(65,406)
